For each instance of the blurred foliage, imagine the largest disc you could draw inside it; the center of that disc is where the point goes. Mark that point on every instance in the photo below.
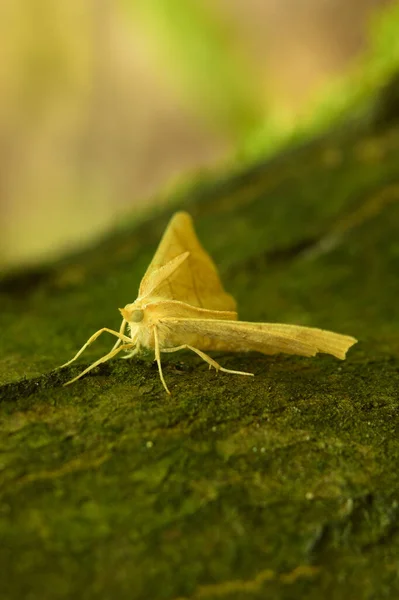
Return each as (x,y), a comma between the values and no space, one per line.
(221,83)
(346,97)
(50,197)
(90,122)
(203,51)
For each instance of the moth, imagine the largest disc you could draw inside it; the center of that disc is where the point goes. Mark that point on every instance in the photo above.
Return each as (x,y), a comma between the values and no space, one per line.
(182,305)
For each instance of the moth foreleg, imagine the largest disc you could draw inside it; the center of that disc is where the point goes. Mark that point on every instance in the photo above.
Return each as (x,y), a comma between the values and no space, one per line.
(206,358)
(158,359)
(132,353)
(119,335)
(99,361)
(121,331)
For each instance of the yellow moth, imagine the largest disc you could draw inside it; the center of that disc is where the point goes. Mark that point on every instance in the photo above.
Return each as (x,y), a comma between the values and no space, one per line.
(182,304)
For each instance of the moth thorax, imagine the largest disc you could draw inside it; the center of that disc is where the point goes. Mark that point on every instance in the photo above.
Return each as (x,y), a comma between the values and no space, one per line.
(136,315)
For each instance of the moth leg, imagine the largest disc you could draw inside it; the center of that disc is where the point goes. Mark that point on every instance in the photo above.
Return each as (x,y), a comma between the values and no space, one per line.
(132,353)
(206,358)
(99,361)
(121,331)
(92,339)
(158,359)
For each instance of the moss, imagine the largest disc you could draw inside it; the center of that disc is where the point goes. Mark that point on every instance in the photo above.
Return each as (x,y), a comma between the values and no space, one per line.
(281,486)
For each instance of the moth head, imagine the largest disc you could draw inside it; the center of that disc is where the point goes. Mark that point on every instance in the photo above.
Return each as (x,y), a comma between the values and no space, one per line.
(132,313)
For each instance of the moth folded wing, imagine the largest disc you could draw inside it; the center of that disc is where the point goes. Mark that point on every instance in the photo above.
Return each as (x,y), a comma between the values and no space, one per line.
(157,279)
(241,336)
(196,280)
(162,309)
(325,341)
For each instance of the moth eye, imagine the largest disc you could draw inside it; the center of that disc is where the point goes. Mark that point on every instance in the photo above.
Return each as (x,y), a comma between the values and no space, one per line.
(137,315)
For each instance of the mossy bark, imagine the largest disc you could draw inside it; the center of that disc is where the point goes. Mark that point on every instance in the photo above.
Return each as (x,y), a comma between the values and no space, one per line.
(280,486)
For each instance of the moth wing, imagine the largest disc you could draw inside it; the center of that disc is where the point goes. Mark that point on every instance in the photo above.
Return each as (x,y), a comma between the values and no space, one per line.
(267,338)
(195,280)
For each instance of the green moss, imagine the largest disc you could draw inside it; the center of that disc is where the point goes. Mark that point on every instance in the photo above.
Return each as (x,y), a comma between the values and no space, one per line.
(284,485)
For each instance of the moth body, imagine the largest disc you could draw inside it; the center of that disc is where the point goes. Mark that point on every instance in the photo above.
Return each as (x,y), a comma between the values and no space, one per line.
(182,305)
(146,314)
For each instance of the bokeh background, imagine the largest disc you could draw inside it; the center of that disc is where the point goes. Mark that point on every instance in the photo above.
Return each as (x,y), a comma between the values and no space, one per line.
(105,104)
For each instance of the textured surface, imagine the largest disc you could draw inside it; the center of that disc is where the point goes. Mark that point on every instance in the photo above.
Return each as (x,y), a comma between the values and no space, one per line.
(284,485)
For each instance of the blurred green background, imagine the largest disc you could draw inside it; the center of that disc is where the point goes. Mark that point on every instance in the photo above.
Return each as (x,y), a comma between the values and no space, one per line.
(104,104)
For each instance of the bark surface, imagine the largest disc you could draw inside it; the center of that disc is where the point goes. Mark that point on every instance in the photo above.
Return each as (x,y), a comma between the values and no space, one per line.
(280,486)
